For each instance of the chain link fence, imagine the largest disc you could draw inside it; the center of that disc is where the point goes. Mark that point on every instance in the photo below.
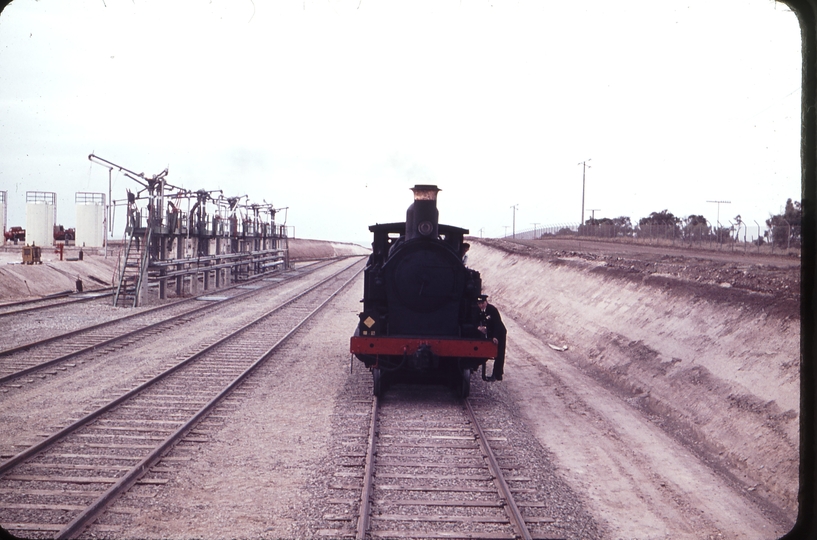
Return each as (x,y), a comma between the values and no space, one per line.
(779,239)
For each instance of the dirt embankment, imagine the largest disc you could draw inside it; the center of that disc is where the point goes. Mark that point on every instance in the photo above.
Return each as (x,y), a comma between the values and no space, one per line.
(301,249)
(21,281)
(708,356)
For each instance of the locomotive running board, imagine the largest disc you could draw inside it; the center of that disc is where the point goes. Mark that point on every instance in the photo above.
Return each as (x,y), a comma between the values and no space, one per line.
(398,346)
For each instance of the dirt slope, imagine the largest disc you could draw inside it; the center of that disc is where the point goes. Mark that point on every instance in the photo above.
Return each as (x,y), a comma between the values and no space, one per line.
(304,249)
(713,364)
(20,281)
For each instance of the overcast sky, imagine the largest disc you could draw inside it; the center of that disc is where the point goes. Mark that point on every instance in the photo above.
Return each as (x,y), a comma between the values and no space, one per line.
(336,108)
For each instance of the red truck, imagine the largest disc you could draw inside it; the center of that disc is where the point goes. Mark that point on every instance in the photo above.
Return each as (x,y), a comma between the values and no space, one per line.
(15,233)
(63,234)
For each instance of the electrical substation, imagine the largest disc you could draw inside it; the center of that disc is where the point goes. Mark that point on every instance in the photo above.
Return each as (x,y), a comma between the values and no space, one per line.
(181,242)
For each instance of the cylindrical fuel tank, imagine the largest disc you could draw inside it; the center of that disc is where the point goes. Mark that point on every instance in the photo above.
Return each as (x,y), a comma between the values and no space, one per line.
(90,220)
(41,209)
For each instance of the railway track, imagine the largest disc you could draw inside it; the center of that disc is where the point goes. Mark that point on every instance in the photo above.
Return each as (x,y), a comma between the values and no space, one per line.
(43,322)
(57,487)
(62,299)
(430,472)
(54,354)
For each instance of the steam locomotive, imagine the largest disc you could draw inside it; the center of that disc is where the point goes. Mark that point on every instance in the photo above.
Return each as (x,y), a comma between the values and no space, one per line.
(420,313)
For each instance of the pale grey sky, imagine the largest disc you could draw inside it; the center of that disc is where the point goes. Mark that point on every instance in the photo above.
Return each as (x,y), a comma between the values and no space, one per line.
(334,108)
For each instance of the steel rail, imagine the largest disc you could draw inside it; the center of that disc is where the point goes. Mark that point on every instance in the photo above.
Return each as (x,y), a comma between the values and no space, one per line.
(67,430)
(114,339)
(517,520)
(366,497)
(45,341)
(78,524)
(52,296)
(120,337)
(39,299)
(68,302)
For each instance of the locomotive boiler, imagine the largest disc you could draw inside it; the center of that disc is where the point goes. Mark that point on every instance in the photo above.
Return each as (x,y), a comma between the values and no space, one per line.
(420,313)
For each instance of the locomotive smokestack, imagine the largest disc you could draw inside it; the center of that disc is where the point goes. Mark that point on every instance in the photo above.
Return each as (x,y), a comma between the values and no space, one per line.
(422,217)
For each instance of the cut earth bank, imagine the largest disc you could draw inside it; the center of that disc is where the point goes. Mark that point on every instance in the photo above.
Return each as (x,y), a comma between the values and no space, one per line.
(715,366)
(301,249)
(20,281)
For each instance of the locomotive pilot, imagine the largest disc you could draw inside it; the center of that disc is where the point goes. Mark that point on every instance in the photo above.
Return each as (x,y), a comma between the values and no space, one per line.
(490,324)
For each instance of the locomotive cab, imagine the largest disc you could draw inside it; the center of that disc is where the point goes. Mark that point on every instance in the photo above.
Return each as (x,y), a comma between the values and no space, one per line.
(419,315)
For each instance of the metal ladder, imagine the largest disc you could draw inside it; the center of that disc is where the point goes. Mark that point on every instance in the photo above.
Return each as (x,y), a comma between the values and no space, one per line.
(133,271)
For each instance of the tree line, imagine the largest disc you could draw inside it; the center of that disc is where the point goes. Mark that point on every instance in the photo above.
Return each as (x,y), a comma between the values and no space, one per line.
(783,229)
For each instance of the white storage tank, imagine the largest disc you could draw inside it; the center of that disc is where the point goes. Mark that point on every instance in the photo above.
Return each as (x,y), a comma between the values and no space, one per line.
(90,219)
(41,215)
(3,215)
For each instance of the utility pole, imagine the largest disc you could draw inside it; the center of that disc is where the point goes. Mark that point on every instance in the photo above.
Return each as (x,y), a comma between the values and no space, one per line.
(107,209)
(719,203)
(534,230)
(515,208)
(585,166)
(506,231)
(593,213)
(480,231)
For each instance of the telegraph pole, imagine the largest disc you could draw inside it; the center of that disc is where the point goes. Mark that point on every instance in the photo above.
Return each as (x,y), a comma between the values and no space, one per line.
(585,166)
(515,208)
(534,230)
(108,221)
(593,213)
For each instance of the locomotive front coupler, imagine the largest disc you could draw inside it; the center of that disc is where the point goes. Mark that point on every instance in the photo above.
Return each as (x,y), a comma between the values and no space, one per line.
(424,358)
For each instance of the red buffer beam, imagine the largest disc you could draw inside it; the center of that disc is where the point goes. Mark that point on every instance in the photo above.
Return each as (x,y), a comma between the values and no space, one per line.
(446,347)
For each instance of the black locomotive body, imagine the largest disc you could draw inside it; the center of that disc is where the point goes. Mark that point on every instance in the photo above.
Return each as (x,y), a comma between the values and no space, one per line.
(420,312)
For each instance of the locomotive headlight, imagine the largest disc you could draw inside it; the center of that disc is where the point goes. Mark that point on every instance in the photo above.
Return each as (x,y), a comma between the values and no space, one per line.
(425,228)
